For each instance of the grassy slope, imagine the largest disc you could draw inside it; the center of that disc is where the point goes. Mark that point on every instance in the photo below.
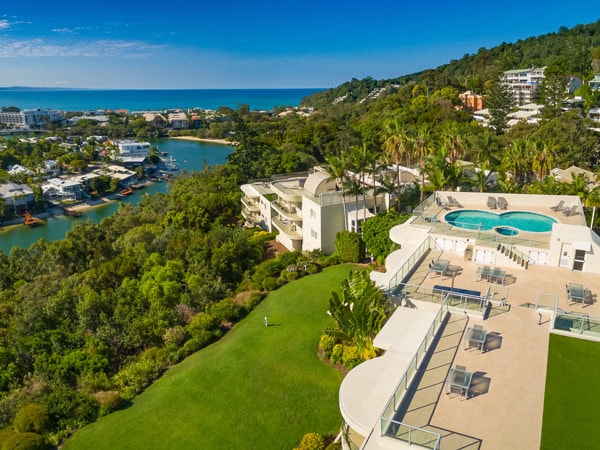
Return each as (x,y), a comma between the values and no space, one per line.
(256,388)
(572,395)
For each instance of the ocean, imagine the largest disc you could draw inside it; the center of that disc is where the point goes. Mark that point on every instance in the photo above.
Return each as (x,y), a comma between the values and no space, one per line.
(151,99)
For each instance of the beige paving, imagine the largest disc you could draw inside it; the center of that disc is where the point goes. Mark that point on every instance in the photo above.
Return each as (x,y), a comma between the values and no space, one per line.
(505,407)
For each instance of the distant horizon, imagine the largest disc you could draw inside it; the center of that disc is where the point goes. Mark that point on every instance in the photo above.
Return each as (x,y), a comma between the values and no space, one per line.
(56,88)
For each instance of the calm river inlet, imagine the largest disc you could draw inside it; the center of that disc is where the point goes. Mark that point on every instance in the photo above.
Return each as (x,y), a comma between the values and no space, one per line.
(189,156)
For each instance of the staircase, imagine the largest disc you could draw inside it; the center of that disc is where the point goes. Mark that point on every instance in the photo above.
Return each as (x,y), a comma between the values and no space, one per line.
(510,256)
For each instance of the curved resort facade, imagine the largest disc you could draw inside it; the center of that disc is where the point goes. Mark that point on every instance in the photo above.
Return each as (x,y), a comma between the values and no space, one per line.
(479,283)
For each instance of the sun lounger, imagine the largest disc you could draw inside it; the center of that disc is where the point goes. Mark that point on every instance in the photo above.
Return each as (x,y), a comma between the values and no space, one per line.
(491,202)
(453,202)
(502,203)
(558,206)
(441,203)
(570,211)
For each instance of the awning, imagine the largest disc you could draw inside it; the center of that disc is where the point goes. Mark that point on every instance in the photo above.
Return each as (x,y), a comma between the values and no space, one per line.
(581,245)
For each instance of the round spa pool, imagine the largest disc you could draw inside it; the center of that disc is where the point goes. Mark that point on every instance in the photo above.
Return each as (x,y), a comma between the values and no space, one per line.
(473,219)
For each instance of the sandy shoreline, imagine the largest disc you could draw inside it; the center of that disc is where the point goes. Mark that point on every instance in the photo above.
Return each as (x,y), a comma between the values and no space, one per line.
(197,139)
(56,211)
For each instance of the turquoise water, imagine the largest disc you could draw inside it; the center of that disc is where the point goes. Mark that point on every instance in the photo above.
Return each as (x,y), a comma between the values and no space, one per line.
(525,221)
(190,156)
(151,99)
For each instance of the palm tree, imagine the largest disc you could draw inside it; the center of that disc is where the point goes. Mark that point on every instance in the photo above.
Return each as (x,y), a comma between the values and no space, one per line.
(359,312)
(423,146)
(481,177)
(593,200)
(542,159)
(453,139)
(396,145)
(336,168)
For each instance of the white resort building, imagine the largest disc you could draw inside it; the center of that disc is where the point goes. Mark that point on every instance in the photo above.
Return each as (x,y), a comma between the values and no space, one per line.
(524,84)
(308,210)
(478,284)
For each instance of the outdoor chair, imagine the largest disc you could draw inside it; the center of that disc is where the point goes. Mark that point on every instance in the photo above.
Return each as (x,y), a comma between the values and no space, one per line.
(453,202)
(441,203)
(491,202)
(502,203)
(558,206)
(570,211)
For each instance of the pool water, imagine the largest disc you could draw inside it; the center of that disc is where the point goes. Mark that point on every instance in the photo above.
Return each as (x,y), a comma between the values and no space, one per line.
(473,219)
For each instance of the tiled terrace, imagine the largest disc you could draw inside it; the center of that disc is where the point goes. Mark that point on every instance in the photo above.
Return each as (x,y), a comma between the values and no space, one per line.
(505,406)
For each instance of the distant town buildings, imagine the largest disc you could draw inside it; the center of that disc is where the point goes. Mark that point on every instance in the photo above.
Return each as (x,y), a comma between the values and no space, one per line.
(471,101)
(30,117)
(524,84)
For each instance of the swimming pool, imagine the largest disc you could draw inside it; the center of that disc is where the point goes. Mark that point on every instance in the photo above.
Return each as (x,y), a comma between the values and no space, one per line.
(473,219)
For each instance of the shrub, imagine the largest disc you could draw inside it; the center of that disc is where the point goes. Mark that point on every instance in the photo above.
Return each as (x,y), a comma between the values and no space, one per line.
(336,354)
(312,441)
(202,322)
(326,343)
(312,268)
(350,356)
(269,284)
(254,300)
(90,382)
(174,335)
(225,309)
(109,401)
(23,441)
(31,418)
(349,247)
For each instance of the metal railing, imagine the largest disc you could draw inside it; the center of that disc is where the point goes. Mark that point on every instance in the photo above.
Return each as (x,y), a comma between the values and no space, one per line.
(411,435)
(451,299)
(391,427)
(577,323)
(408,265)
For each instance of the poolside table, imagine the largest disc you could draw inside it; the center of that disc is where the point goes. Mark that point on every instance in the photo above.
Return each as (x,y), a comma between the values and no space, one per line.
(459,379)
(440,266)
(576,292)
(475,335)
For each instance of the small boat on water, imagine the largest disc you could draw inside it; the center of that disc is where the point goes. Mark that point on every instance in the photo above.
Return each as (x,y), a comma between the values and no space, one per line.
(139,185)
(71,212)
(30,220)
(126,191)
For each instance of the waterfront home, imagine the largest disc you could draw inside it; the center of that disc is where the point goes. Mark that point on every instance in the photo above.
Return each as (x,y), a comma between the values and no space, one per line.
(62,189)
(17,197)
(18,169)
(514,270)
(50,168)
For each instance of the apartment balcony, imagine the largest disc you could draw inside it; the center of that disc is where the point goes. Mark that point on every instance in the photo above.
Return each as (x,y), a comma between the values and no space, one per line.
(289,212)
(250,205)
(251,218)
(290,229)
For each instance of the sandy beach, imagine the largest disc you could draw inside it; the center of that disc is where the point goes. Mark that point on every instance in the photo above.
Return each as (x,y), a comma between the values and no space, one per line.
(212,141)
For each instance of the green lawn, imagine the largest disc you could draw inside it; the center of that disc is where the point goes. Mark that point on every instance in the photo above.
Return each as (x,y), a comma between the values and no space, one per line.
(256,388)
(572,395)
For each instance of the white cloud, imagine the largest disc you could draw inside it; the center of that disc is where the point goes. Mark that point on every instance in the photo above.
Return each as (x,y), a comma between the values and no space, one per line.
(100,48)
(62,30)
(4,24)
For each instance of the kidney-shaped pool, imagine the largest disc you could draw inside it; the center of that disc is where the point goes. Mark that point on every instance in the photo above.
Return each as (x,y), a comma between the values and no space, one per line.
(473,219)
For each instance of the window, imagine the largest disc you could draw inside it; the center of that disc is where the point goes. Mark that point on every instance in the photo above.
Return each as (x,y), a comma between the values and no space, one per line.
(313,234)
(313,214)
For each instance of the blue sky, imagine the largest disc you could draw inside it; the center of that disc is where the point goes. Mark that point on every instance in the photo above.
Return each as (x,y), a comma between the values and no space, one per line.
(255,44)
